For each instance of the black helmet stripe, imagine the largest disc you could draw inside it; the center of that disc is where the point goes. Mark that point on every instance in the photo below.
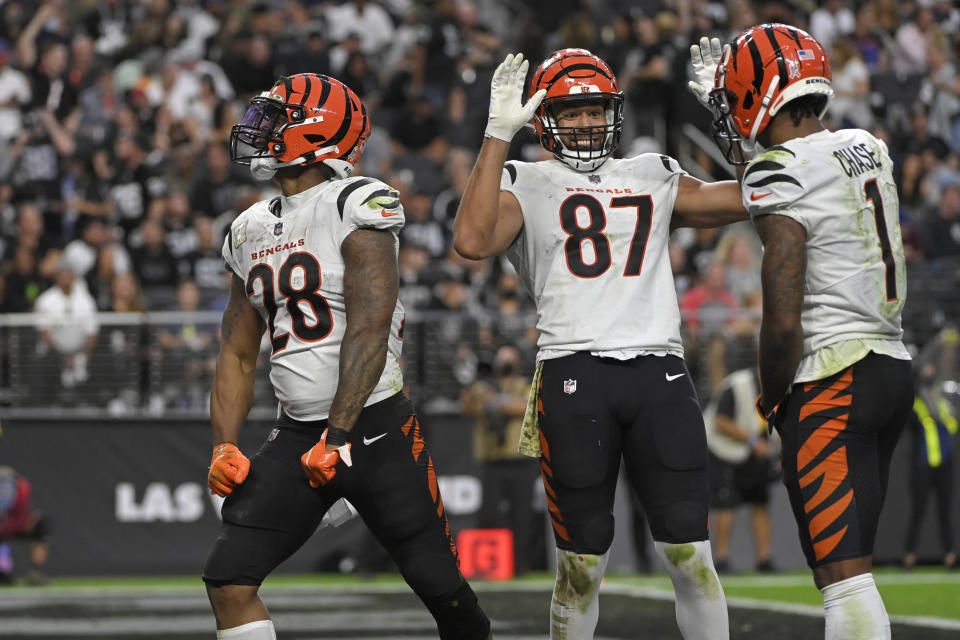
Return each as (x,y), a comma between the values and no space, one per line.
(577,67)
(347,119)
(777,51)
(324,89)
(363,127)
(793,34)
(757,64)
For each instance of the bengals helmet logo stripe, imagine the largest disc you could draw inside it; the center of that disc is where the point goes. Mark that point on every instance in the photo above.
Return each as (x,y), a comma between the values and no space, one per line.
(574,77)
(302,120)
(766,67)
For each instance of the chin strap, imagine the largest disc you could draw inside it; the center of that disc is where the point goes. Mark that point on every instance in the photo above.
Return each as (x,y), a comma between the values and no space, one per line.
(265,167)
(767,97)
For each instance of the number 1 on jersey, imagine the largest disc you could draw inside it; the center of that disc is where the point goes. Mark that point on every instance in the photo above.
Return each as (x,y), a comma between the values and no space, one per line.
(593,233)
(886,252)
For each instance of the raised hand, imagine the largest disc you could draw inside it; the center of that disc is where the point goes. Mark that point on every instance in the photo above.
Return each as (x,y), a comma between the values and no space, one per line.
(508,114)
(705,57)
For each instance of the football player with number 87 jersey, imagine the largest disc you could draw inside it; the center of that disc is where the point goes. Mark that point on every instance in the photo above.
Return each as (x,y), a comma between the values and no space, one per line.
(835,377)
(317,269)
(588,233)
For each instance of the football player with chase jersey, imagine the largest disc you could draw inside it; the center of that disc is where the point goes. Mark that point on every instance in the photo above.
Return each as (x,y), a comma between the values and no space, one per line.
(588,234)
(835,377)
(317,269)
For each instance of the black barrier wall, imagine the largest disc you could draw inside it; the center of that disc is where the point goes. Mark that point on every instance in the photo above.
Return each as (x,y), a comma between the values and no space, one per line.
(129,497)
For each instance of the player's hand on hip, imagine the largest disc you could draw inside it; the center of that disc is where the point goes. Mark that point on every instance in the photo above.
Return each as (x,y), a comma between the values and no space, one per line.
(705,57)
(320,462)
(508,114)
(228,468)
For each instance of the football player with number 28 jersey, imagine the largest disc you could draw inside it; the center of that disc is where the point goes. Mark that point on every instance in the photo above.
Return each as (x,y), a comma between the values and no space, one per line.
(317,269)
(588,234)
(835,377)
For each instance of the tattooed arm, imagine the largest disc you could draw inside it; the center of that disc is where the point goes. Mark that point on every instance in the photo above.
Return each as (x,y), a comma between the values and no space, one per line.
(783,275)
(232,394)
(370,284)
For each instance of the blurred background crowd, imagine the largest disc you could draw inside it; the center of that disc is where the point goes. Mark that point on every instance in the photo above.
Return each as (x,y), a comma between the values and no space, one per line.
(116,187)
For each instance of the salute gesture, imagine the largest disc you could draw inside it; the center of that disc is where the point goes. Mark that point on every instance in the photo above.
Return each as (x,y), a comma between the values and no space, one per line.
(507,113)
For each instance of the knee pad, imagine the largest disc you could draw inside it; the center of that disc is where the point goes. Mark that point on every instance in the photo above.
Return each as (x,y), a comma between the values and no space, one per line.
(684,521)
(458,615)
(597,535)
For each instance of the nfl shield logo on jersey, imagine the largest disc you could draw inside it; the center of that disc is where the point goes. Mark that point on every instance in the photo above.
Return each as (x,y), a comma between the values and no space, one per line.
(594,178)
(278,229)
(569,386)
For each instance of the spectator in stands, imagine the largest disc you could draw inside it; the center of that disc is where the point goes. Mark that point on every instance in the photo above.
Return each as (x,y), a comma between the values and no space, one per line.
(215,189)
(14,95)
(832,20)
(67,322)
(709,306)
(155,264)
(913,36)
(83,253)
(850,107)
(414,288)
(868,38)
(740,256)
(24,279)
(940,229)
(497,399)
(20,520)
(131,182)
(125,294)
(187,351)
(204,264)
(367,19)
(943,86)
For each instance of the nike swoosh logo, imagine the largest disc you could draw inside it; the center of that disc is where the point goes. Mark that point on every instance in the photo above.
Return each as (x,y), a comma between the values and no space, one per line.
(671,378)
(756,196)
(367,440)
(384,213)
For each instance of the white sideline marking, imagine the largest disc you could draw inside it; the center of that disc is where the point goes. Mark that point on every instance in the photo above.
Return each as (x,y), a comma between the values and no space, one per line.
(186,601)
(779,607)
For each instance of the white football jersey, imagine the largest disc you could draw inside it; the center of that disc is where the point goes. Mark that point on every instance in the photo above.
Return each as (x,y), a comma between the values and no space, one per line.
(593,253)
(287,252)
(839,186)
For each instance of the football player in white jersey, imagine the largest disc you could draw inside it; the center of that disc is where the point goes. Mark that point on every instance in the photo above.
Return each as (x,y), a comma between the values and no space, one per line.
(588,234)
(835,377)
(317,269)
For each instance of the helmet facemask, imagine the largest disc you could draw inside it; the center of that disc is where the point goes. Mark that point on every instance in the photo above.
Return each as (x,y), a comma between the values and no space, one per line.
(259,131)
(582,148)
(730,142)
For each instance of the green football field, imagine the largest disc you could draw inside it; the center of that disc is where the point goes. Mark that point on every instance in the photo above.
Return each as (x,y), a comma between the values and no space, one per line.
(924,604)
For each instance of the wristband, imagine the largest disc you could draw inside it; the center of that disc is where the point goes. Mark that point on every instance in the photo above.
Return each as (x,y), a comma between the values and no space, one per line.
(217,448)
(336,437)
(752,440)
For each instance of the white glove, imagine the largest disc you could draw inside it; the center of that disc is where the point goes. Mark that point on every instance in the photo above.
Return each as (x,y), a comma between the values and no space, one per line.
(507,114)
(705,57)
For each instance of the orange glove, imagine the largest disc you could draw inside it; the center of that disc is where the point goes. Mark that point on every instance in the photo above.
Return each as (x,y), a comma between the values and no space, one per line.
(321,464)
(228,468)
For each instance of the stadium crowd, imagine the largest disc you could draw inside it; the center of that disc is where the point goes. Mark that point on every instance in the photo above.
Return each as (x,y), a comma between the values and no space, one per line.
(115,119)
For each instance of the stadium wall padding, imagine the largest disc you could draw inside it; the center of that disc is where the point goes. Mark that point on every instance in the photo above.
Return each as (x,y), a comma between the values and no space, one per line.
(129,497)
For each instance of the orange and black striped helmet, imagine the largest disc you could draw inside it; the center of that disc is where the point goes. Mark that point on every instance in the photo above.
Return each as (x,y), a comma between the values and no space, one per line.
(303,119)
(570,76)
(766,67)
